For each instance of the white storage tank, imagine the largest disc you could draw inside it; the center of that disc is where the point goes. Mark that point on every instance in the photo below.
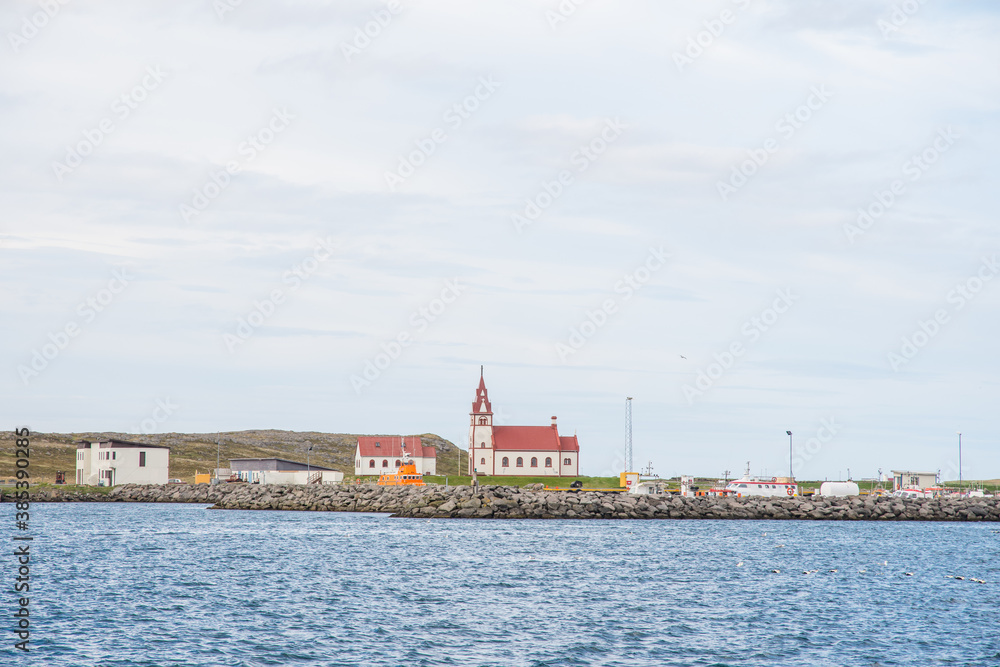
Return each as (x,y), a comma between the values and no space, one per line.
(839,489)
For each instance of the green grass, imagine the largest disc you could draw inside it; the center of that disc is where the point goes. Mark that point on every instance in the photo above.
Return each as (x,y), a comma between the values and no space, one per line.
(561,482)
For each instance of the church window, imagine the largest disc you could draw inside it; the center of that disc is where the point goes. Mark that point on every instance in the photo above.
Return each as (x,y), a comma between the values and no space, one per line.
(482,461)
(520,462)
(567,462)
(385,463)
(397,463)
(548,461)
(371,464)
(482,420)
(505,463)
(534,461)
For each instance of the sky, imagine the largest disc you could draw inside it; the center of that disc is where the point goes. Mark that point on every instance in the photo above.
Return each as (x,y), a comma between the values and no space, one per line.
(750,216)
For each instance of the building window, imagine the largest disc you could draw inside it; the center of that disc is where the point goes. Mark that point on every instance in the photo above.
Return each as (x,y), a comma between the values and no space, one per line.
(385,463)
(567,462)
(482,461)
(534,461)
(482,420)
(371,464)
(397,463)
(505,463)
(378,444)
(114,455)
(548,461)
(520,462)
(142,459)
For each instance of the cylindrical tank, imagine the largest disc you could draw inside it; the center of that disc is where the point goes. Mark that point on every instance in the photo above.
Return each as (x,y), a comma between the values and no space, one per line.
(839,489)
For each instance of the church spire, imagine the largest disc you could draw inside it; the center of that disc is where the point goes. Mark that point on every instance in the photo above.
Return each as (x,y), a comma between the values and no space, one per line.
(482,402)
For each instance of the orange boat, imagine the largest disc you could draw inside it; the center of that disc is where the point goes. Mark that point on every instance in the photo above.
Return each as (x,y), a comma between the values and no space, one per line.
(406,476)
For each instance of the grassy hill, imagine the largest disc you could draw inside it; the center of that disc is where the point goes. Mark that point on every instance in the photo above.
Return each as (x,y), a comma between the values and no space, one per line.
(197,451)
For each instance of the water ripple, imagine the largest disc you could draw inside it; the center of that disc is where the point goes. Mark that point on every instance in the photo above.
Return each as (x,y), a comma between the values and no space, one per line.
(136,584)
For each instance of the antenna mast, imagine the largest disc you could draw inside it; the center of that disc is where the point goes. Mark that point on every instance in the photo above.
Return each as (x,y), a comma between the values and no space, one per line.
(628,434)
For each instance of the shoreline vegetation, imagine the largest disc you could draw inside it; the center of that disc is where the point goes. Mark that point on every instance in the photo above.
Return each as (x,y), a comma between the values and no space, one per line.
(532,502)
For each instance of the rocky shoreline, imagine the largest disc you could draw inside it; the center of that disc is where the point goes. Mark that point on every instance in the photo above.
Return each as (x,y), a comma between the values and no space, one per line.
(504,502)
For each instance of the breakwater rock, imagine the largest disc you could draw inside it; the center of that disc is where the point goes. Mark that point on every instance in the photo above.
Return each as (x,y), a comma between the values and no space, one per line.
(504,502)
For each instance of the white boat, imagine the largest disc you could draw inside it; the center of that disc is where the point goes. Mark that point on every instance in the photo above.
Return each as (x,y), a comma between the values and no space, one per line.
(754,486)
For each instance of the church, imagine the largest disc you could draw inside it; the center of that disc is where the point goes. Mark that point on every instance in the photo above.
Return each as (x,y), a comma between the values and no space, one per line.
(528,451)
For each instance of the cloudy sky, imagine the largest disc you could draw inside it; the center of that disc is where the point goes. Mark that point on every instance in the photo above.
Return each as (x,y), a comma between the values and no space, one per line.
(751,216)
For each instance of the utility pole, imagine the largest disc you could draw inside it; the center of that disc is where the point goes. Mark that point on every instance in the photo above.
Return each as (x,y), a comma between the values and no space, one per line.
(308,453)
(218,448)
(959,462)
(628,434)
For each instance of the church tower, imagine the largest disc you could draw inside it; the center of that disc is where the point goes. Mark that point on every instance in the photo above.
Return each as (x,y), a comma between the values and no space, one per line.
(481,431)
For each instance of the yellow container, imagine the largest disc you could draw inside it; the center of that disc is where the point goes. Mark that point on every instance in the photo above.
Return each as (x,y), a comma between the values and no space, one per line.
(203,478)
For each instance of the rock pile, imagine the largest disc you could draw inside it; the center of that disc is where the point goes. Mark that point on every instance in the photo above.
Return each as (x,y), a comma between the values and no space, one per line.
(505,502)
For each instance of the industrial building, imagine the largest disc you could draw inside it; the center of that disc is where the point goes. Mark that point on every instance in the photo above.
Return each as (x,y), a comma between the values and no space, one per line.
(907,479)
(114,462)
(282,471)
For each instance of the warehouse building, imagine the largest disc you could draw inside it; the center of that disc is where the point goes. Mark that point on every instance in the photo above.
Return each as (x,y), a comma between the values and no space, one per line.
(282,471)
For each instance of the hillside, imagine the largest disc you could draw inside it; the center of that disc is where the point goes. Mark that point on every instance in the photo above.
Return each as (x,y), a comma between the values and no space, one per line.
(197,451)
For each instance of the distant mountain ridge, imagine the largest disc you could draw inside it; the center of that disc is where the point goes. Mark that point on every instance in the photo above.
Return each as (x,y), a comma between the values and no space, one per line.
(190,452)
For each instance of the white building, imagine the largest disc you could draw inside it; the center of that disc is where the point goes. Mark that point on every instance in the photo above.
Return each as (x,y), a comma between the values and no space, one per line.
(283,471)
(114,462)
(907,479)
(384,454)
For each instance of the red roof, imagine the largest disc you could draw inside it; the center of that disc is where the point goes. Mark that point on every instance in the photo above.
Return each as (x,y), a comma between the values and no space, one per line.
(529,438)
(389,445)
(569,443)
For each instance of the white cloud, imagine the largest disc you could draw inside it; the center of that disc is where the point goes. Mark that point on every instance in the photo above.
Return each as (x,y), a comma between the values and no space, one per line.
(656,185)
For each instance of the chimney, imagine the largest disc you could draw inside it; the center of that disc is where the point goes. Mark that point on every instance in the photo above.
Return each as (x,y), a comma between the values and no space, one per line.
(553,421)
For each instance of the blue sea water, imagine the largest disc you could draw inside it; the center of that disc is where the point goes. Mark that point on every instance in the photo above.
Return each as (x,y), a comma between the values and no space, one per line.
(147,584)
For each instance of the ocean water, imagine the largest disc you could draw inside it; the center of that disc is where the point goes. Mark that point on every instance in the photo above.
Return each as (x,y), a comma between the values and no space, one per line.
(147,584)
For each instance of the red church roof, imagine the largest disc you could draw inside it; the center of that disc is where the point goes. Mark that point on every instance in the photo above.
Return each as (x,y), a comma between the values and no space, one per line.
(389,445)
(532,438)
(569,443)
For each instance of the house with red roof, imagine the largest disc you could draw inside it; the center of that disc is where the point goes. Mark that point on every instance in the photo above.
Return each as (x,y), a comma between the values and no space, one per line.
(384,454)
(530,451)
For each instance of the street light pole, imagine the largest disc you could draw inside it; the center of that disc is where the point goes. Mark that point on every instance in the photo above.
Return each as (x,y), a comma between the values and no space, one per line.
(789,453)
(959,462)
